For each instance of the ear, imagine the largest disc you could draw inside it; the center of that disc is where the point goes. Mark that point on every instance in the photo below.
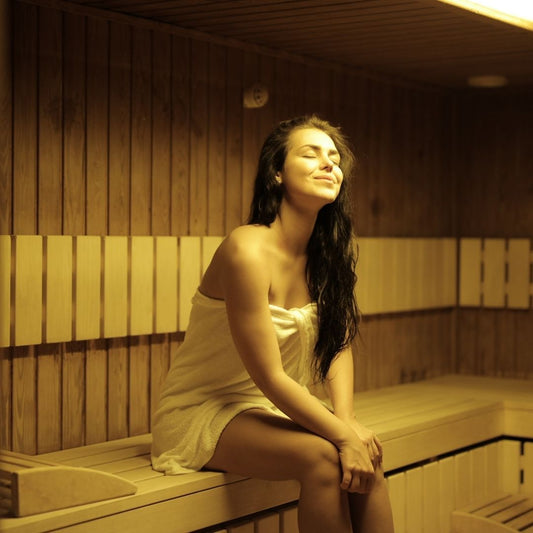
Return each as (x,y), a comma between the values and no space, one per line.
(278,177)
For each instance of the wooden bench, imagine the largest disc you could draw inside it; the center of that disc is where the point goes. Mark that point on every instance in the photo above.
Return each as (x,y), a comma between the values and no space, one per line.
(502,513)
(417,423)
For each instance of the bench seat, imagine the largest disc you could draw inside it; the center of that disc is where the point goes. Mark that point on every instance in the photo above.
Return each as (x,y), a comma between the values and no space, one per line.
(416,422)
(502,513)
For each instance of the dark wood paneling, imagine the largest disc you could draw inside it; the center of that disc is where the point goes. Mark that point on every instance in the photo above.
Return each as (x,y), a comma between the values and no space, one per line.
(144,132)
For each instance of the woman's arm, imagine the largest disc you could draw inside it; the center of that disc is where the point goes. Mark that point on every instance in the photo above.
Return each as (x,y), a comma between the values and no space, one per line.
(340,387)
(245,284)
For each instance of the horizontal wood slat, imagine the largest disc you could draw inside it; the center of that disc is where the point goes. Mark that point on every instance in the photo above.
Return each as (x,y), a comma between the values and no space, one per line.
(406,274)
(114,286)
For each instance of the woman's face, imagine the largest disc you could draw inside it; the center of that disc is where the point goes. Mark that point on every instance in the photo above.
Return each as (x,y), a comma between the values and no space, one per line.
(311,170)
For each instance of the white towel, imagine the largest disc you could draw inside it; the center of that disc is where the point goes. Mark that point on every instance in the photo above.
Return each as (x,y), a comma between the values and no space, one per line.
(207,384)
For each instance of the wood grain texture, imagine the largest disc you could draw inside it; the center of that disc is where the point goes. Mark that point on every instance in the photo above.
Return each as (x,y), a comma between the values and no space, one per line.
(6,112)
(124,129)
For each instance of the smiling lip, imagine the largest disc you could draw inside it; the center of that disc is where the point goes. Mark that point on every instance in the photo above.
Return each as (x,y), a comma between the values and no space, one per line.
(326,178)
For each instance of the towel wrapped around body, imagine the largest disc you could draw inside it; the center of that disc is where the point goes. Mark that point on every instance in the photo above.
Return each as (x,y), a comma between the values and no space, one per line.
(207,384)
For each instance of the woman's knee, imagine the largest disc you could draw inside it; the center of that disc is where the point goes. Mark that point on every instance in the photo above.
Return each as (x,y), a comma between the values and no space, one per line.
(321,463)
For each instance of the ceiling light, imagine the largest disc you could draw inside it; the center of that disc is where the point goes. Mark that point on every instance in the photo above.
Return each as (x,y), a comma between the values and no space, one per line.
(517,12)
(487,81)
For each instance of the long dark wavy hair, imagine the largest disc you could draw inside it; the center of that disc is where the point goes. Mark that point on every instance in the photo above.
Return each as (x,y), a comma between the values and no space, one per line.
(331,256)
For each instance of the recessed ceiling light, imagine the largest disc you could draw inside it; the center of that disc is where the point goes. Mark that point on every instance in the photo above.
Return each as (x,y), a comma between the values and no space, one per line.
(487,81)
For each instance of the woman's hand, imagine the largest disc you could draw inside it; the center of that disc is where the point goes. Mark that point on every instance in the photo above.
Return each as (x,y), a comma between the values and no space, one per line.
(357,468)
(369,439)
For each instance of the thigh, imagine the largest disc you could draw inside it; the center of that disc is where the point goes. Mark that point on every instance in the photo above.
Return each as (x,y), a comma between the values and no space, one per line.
(260,444)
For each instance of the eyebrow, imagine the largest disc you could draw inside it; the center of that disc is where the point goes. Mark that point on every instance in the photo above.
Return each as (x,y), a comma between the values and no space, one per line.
(317,147)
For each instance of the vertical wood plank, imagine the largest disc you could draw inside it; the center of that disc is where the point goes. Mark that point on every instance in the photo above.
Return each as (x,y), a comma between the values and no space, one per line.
(234,145)
(431,492)
(161,134)
(446,493)
(119,128)
(141,134)
(142,285)
(480,487)
(159,363)
(180,126)
(6,406)
(510,465)
(5,290)
(96,387)
(245,527)
(415,505)
(518,258)
(166,284)
(463,479)
(97,126)
(58,302)
(88,285)
(397,494)
(494,273)
(115,286)
(216,140)
(289,520)
(73,396)
(138,405)
(251,141)
(199,126)
(25,119)
(189,276)
(74,157)
(267,524)
(527,467)
(117,388)
(470,272)
(209,247)
(493,463)
(49,398)
(28,289)
(24,404)
(50,153)
(6,112)
(449,272)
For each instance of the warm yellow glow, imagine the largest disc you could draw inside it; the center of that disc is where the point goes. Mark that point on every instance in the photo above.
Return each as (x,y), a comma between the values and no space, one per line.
(517,12)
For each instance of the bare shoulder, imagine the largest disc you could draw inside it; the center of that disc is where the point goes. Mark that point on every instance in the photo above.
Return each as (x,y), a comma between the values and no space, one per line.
(244,254)
(246,245)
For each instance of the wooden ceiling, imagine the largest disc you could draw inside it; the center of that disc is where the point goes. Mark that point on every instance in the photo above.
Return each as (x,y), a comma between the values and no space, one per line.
(424,41)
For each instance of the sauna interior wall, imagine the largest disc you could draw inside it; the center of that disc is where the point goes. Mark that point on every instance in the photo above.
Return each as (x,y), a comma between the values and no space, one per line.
(494,174)
(126,129)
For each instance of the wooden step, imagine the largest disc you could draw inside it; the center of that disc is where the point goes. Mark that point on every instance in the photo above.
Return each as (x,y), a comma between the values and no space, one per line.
(30,485)
(497,514)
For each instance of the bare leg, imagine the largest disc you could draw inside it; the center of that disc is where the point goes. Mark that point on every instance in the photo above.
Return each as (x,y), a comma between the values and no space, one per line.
(371,513)
(259,444)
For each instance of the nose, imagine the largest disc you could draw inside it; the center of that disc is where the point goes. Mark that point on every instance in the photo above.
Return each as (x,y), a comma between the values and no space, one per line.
(326,162)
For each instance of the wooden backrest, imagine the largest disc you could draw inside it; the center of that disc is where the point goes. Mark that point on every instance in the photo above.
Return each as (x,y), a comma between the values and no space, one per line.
(64,288)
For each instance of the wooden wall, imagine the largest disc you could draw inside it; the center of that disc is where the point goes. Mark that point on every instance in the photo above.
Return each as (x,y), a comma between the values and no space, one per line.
(131,129)
(494,169)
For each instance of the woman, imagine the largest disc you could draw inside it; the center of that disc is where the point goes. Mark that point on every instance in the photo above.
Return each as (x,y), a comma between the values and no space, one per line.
(275,310)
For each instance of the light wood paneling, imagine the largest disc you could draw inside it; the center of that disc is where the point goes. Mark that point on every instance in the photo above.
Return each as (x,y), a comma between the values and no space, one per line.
(166,284)
(518,280)
(58,299)
(470,272)
(115,286)
(494,273)
(5,290)
(88,287)
(141,286)
(28,289)
(189,276)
